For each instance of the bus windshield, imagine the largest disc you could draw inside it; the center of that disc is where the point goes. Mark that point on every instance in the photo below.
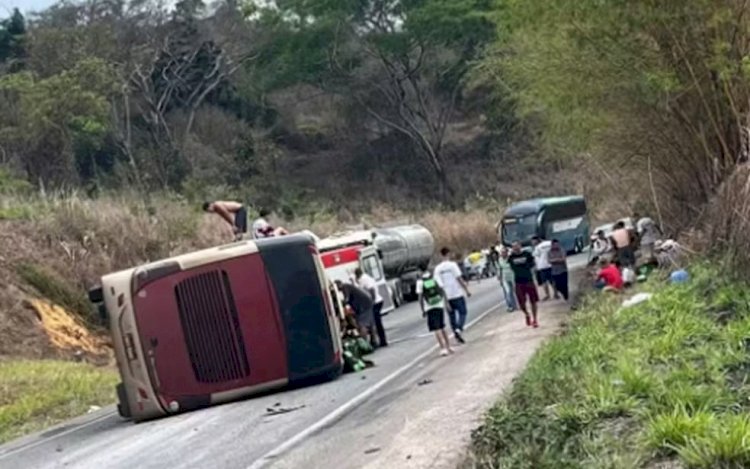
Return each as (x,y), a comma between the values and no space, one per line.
(519,229)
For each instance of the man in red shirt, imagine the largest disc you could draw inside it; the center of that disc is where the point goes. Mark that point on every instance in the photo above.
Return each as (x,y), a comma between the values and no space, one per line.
(609,276)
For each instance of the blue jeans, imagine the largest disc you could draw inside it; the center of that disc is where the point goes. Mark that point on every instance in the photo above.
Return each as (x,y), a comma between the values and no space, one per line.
(509,290)
(457,313)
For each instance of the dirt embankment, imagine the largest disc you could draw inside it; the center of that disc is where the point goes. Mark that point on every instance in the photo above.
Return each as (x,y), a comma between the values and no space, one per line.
(50,260)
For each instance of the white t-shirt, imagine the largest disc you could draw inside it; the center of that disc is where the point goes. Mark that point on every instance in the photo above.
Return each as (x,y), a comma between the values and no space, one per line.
(262,229)
(541,255)
(420,289)
(367,283)
(447,275)
(647,230)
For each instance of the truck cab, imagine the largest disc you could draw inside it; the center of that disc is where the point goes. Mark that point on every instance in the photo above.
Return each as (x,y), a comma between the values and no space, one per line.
(342,253)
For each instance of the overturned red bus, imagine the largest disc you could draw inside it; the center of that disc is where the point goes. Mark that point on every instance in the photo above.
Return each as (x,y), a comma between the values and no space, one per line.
(219,324)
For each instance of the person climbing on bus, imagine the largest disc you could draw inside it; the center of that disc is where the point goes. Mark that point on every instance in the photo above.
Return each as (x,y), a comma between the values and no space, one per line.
(432,304)
(232,212)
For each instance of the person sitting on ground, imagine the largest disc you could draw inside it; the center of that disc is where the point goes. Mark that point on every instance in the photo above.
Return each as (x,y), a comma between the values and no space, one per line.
(609,277)
(263,229)
(233,213)
(432,304)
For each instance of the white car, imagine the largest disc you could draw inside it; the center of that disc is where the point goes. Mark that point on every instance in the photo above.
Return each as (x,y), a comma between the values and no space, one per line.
(609,227)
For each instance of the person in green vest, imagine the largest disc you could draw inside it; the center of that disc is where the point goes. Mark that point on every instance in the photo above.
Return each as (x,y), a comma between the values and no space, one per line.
(432,303)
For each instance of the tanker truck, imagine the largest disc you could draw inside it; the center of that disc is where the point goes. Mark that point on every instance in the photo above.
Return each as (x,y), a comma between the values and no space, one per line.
(405,252)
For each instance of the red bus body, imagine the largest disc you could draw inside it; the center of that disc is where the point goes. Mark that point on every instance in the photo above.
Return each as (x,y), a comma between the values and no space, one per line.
(220,324)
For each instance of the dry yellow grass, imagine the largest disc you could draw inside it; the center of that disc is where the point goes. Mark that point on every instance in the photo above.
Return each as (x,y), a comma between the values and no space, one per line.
(65,243)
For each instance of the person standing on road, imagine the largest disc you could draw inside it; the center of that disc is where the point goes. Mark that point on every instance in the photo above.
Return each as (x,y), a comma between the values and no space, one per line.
(493,259)
(622,242)
(432,304)
(449,279)
(522,263)
(507,279)
(232,212)
(543,267)
(361,302)
(559,266)
(368,284)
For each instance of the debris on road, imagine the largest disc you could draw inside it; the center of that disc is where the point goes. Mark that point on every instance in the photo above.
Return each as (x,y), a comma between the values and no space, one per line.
(276,410)
(372,450)
(424,381)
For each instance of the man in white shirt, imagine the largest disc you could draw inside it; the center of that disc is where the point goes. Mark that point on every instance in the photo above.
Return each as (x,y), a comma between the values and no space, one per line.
(263,229)
(543,267)
(448,276)
(648,234)
(368,284)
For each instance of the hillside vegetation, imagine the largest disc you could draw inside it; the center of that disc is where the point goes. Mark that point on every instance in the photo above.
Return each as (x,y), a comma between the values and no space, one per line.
(355,104)
(660,384)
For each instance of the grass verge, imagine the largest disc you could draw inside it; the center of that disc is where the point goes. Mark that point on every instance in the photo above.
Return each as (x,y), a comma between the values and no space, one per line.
(37,394)
(661,384)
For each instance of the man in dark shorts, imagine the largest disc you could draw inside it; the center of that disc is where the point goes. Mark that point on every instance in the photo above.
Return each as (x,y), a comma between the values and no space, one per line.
(522,263)
(432,303)
(361,302)
(233,213)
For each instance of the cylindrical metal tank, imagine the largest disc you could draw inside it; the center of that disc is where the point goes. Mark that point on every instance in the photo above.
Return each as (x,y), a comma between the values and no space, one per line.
(404,248)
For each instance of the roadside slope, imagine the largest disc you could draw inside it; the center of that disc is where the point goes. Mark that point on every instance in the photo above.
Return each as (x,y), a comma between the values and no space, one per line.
(660,384)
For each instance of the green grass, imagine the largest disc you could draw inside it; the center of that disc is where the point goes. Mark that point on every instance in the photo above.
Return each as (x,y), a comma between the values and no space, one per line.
(37,394)
(666,380)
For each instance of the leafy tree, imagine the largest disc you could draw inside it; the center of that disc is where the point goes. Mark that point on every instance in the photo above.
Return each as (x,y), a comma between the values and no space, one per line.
(655,89)
(12,40)
(47,119)
(402,62)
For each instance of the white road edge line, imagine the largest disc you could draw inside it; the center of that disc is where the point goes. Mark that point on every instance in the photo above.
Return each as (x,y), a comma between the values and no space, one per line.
(75,428)
(349,406)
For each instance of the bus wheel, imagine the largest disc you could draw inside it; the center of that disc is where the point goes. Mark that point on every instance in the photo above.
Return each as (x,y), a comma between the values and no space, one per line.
(123,408)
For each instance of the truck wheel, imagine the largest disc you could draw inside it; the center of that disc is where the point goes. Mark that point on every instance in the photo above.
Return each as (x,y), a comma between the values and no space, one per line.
(123,408)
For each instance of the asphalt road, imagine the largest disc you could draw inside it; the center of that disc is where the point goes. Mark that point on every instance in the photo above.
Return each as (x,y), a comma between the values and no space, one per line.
(248,434)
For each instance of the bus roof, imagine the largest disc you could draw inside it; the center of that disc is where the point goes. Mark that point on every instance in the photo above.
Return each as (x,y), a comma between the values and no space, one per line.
(527,207)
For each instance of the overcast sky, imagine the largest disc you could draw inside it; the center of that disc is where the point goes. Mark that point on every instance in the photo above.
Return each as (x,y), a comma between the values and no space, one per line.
(6,6)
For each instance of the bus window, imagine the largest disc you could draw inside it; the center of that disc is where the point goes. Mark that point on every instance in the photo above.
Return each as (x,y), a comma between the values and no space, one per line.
(519,229)
(564,211)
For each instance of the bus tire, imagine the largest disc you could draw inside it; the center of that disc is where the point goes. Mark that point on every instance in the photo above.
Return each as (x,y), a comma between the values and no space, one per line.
(123,408)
